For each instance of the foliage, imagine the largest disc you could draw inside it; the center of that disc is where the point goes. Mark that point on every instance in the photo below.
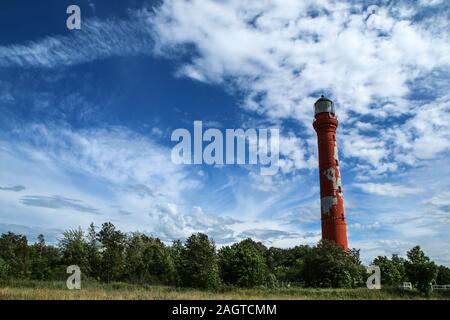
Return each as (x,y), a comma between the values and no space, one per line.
(3,269)
(199,265)
(328,265)
(399,264)
(32,289)
(45,260)
(112,261)
(243,264)
(92,252)
(286,264)
(392,271)
(14,252)
(73,249)
(110,256)
(148,260)
(176,251)
(420,270)
(443,276)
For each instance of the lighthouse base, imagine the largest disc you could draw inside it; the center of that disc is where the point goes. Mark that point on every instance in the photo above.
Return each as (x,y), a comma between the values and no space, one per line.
(335,230)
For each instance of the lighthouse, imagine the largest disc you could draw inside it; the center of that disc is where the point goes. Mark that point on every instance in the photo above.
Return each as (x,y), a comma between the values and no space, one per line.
(334,227)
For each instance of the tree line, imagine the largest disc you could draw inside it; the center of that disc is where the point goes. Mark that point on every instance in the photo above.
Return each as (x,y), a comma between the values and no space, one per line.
(109,255)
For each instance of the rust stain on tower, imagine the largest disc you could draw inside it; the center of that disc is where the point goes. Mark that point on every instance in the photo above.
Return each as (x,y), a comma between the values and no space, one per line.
(334,227)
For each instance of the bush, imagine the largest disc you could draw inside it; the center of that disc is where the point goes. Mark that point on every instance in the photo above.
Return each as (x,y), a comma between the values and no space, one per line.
(199,266)
(392,272)
(3,269)
(243,264)
(112,261)
(328,265)
(112,256)
(443,276)
(148,260)
(14,252)
(420,270)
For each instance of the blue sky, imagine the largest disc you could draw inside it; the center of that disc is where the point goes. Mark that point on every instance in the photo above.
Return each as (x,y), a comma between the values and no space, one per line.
(87,117)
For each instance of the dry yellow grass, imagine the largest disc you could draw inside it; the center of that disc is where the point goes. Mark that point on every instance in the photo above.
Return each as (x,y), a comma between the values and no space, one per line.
(56,291)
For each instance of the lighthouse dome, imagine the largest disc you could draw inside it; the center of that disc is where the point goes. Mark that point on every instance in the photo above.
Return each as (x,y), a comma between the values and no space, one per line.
(324,105)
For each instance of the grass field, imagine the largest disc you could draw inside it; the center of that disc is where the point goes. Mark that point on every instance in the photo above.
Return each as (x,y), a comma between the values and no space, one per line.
(36,290)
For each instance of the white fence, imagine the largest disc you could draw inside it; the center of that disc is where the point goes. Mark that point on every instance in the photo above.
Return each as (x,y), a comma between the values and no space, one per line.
(440,287)
(407,286)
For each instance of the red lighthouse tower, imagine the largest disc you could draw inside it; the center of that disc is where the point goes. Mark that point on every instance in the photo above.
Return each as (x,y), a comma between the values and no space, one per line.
(334,227)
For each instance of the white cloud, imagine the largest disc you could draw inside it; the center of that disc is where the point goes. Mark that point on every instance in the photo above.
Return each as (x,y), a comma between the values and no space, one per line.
(14,188)
(441,200)
(440,207)
(121,167)
(360,226)
(170,223)
(97,39)
(387,189)
(115,174)
(428,130)
(370,149)
(430,2)
(281,56)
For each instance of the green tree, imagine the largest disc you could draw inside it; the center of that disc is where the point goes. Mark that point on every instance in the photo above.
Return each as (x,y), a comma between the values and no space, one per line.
(199,265)
(443,276)
(176,251)
(149,260)
(14,253)
(158,261)
(390,273)
(243,264)
(399,264)
(113,252)
(420,270)
(292,267)
(354,265)
(3,269)
(280,263)
(53,260)
(93,254)
(40,267)
(328,265)
(74,250)
(135,270)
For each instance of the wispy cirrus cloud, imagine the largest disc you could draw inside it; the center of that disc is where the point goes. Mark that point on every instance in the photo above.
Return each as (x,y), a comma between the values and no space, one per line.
(14,188)
(51,234)
(387,189)
(173,222)
(371,65)
(268,234)
(97,39)
(388,74)
(359,226)
(376,65)
(144,190)
(58,202)
(119,166)
(440,207)
(288,45)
